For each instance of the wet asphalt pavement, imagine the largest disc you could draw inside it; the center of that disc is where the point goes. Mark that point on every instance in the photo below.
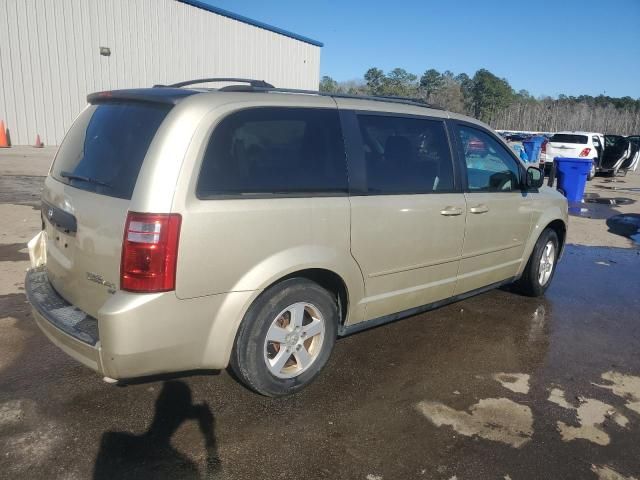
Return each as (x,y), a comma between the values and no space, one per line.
(419,398)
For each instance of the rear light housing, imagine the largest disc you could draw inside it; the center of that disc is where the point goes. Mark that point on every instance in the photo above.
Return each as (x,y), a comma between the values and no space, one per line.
(150,252)
(585,152)
(543,147)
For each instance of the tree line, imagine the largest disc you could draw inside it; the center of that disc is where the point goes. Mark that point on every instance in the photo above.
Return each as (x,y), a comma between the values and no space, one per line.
(491,99)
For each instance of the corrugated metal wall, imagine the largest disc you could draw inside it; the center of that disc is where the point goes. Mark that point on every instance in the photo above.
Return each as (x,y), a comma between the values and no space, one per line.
(50,58)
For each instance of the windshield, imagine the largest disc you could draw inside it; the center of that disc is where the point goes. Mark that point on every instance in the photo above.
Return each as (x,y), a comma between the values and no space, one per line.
(569,138)
(105,147)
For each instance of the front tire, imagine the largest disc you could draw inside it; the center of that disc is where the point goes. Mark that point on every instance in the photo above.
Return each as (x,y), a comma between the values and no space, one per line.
(285,338)
(592,172)
(541,266)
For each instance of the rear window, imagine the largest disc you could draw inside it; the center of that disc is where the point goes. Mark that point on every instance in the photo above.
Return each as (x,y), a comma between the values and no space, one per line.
(275,151)
(105,147)
(569,138)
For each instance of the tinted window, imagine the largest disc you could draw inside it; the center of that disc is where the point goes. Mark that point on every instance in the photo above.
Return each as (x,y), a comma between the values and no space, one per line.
(275,151)
(569,138)
(613,140)
(406,155)
(490,166)
(105,147)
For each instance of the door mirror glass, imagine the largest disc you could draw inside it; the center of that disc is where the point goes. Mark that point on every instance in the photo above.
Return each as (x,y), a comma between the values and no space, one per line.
(535,179)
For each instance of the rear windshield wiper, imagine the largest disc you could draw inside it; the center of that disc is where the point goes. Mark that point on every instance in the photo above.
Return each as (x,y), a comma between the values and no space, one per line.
(73,176)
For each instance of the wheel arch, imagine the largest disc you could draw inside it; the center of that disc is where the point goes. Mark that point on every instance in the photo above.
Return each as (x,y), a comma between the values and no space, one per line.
(553,221)
(226,324)
(327,279)
(560,228)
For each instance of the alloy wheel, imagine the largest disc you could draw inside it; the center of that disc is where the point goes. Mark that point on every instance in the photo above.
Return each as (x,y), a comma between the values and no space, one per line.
(547,261)
(294,340)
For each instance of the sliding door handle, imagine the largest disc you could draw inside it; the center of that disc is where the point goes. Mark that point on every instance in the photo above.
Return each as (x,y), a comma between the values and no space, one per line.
(451,211)
(482,208)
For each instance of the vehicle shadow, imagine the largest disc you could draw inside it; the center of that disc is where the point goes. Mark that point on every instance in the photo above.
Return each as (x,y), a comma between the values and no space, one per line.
(124,455)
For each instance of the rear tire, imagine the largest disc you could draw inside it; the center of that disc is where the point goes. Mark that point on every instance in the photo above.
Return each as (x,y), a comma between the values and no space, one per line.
(541,267)
(285,338)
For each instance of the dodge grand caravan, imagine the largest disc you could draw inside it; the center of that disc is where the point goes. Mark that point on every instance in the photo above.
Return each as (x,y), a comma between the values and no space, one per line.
(187,228)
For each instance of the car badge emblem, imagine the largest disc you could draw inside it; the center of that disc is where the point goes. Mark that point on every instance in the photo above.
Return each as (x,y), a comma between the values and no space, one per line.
(50,213)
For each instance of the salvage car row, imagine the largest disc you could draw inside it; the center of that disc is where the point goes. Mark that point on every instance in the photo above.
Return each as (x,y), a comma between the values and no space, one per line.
(610,154)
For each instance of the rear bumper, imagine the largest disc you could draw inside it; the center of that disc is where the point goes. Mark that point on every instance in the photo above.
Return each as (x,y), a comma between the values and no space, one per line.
(71,329)
(135,335)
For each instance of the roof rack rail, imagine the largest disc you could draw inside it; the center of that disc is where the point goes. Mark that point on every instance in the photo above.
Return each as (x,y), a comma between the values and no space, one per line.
(251,82)
(376,98)
(262,86)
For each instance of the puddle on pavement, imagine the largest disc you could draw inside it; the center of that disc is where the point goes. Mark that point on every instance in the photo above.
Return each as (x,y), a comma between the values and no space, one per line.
(591,415)
(605,472)
(506,421)
(13,252)
(596,207)
(625,386)
(619,189)
(497,419)
(610,201)
(516,382)
(579,210)
(626,225)
(21,189)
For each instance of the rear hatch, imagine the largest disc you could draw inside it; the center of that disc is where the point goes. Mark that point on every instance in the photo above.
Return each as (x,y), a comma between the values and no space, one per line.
(568,145)
(87,194)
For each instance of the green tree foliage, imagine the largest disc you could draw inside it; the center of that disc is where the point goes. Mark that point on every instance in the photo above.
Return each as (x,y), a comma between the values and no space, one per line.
(494,101)
(466,87)
(490,94)
(431,82)
(328,84)
(401,83)
(376,80)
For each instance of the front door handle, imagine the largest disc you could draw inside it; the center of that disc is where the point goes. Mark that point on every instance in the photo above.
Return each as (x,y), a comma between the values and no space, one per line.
(482,208)
(451,211)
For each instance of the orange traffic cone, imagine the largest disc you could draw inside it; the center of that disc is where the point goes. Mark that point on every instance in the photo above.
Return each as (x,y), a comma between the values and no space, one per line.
(4,143)
(38,143)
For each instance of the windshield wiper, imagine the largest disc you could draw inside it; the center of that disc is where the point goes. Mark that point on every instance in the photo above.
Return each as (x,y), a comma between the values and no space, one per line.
(73,176)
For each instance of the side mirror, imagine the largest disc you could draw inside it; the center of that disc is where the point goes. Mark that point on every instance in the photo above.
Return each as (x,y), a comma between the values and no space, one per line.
(535,178)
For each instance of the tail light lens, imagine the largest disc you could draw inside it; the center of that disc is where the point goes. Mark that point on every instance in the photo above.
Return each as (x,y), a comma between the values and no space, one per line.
(585,152)
(150,252)
(543,148)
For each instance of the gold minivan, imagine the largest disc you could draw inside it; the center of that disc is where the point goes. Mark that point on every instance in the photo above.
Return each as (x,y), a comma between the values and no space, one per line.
(188,228)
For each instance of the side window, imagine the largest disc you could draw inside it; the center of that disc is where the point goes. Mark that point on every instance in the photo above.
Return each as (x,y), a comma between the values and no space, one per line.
(406,155)
(490,167)
(275,150)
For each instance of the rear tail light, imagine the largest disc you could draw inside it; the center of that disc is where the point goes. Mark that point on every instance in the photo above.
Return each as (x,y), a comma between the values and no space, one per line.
(543,148)
(150,252)
(585,152)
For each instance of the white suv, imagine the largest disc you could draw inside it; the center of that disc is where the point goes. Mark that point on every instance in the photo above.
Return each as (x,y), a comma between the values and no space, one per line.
(576,145)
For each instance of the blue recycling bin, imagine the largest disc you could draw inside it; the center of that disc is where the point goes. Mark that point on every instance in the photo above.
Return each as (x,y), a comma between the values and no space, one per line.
(572,176)
(532,146)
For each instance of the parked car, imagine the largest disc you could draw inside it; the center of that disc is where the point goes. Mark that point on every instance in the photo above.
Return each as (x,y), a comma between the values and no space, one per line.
(576,145)
(186,228)
(620,154)
(634,157)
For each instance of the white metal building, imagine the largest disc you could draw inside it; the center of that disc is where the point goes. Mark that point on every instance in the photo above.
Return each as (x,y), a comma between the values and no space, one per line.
(54,52)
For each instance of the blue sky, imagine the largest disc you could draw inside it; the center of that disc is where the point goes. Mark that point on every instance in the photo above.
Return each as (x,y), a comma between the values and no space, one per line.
(547,47)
